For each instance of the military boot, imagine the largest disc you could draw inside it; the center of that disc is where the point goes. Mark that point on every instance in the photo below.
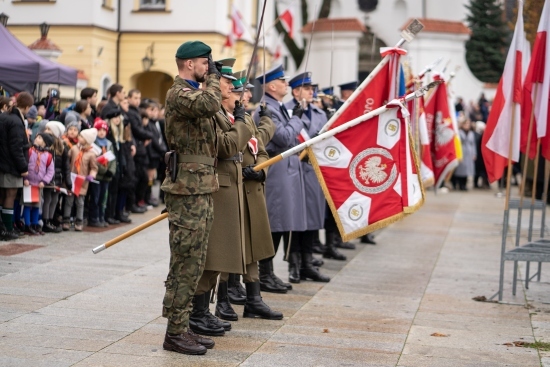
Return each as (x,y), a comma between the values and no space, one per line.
(308,271)
(235,290)
(207,342)
(268,282)
(183,343)
(294,267)
(255,306)
(368,239)
(223,308)
(318,247)
(342,244)
(201,321)
(330,251)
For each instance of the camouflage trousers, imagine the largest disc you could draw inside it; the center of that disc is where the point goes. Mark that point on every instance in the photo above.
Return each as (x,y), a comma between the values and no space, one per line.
(190,219)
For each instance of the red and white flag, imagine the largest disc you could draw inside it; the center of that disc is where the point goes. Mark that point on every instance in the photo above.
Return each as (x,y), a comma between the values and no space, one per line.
(104,159)
(536,92)
(369,173)
(303,136)
(426,163)
(380,87)
(498,135)
(77,181)
(31,194)
(238,27)
(441,133)
(287,20)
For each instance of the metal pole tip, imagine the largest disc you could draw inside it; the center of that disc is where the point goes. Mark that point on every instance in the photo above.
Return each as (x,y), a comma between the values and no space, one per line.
(99,249)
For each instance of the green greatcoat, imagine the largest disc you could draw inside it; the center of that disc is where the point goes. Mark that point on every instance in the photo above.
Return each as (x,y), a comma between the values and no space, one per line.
(257,233)
(226,243)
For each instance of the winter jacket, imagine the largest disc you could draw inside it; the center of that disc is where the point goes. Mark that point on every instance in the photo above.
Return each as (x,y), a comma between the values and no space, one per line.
(87,167)
(14,144)
(41,166)
(117,150)
(62,176)
(139,132)
(157,147)
(128,170)
(106,173)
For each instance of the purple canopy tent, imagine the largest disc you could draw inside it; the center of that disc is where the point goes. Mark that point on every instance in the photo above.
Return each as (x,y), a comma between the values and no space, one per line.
(21,68)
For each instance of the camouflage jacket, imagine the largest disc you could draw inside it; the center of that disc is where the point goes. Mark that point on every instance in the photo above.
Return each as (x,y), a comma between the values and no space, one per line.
(191,131)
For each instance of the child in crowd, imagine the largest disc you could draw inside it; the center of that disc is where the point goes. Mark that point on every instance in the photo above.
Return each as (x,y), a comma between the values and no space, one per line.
(62,177)
(70,138)
(106,171)
(41,172)
(84,164)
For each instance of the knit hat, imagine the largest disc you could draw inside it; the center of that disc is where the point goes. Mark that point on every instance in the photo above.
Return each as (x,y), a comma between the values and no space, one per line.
(48,139)
(73,123)
(71,116)
(101,124)
(33,113)
(89,135)
(56,127)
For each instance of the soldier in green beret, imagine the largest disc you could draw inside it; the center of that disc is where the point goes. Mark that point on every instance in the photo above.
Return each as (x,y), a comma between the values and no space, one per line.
(188,187)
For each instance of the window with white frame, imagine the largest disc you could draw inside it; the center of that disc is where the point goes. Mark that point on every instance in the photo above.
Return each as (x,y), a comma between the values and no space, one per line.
(152,4)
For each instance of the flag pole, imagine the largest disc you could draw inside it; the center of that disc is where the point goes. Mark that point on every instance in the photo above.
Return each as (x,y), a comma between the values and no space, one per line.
(533,192)
(523,182)
(327,134)
(278,158)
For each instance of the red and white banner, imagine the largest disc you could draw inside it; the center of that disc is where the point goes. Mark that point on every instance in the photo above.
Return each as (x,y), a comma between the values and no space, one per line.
(441,133)
(426,163)
(499,134)
(287,20)
(303,136)
(77,181)
(369,173)
(380,87)
(536,90)
(238,28)
(31,194)
(104,159)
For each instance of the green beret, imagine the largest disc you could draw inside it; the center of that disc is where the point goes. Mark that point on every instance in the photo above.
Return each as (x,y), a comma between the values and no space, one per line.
(192,49)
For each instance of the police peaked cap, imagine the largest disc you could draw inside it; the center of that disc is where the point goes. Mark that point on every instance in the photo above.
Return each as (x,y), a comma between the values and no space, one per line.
(192,49)
(300,79)
(227,68)
(276,73)
(348,86)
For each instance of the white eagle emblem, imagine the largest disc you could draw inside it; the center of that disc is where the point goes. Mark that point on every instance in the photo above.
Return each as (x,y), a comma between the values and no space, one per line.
(443,133)
(372,171)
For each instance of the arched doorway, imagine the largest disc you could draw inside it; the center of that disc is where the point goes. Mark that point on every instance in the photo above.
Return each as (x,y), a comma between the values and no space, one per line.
(153,84)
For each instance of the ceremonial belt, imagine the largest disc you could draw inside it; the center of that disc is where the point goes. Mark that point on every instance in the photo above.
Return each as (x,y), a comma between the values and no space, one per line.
(201,159)
(237,158)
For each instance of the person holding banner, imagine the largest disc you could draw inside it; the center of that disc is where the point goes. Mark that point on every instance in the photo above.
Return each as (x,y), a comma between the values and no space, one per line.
(301,262)
(284,186)
(41,171)
(83,171)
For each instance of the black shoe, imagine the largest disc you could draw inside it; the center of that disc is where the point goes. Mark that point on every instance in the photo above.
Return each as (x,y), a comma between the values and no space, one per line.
(112,221)
(201,321)
(11,235)
(123,219)
(317,262)
(341,244)
(267,280)
(330,251)
(318,247)
(255,306)
(308,271)
(138,209)
(368,239)
(183,343)
(30,230)
(294,267)
(223,308)
(48,227)
(235,290)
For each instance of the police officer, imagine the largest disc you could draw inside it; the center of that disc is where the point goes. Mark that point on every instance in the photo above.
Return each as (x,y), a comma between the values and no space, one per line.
(191,137)
(301,261)
(226,248)
(256,234)
(284,187)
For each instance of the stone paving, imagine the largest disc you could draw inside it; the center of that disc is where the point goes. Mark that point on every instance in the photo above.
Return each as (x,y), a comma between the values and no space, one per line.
(405,302)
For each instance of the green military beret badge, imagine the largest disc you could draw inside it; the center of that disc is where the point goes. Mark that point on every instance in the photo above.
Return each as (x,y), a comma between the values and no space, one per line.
(192,49)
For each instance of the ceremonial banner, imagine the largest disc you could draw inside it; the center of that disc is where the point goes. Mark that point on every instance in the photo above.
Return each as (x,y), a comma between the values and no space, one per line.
(499,134)
(441,133)
(31,194)
(537,90)
(369,173)
(77,181)
(287,20)
(426,164)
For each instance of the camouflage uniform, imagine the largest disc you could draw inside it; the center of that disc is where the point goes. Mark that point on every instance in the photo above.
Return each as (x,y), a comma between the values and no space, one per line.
(191,131)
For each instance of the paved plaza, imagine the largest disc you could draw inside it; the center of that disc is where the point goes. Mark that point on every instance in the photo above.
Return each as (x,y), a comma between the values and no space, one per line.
(405,302)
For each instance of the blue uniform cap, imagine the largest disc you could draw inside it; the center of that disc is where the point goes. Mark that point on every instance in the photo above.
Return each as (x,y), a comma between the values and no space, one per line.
(300,79)
(348,86)
(276,73)
(328,91)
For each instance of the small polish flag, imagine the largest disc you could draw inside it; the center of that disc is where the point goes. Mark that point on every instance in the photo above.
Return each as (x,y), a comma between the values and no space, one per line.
(303,136)
(287,20)
(77,181)
(31,194)
(106,158)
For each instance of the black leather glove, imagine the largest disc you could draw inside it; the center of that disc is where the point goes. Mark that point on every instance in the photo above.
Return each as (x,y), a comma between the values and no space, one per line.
(250,174)
(239,112)
(264,111)
(298,111)
(214,67)
(108,174)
